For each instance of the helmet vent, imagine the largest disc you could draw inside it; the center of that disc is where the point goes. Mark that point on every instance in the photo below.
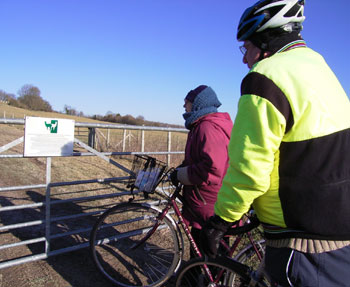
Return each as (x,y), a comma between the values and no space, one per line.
(294,11)
(272,11)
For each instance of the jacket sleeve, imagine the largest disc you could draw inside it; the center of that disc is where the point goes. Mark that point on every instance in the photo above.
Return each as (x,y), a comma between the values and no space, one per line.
(256,136)
(211,145)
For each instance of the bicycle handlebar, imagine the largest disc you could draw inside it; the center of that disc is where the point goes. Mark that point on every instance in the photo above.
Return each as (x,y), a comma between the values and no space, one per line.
(253,223)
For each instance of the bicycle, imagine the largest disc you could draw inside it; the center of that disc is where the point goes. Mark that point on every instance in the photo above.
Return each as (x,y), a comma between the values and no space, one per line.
(140,244)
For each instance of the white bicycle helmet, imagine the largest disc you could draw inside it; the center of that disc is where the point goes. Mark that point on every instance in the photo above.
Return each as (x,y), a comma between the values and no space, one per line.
(271,14)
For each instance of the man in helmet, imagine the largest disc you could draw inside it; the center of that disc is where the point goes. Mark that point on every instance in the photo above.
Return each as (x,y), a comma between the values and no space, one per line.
(289,153)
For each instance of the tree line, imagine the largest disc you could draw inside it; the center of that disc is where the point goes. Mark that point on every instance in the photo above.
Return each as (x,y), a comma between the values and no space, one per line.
(29,97)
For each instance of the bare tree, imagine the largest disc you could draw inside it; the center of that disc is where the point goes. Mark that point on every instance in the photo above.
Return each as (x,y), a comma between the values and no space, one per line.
(29,96)
(68,110)
(5,97)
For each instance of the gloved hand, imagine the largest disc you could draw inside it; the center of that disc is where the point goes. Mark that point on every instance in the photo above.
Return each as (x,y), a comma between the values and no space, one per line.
(212,232)
(173,178)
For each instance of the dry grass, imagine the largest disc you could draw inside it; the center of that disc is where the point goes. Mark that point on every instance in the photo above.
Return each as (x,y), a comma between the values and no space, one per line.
(7,111)
(110,140)
(74,268)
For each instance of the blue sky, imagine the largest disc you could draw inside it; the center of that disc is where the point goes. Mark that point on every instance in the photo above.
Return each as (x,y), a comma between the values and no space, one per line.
(141,57)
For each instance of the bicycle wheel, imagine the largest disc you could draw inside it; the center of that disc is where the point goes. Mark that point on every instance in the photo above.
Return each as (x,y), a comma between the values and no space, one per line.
(113,240)
(223,271)
(252,255)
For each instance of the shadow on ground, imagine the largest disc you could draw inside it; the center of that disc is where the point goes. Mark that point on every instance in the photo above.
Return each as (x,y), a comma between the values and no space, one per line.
(69,269)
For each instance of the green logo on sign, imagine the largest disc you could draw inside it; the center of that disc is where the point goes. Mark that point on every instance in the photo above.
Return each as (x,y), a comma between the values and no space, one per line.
(52,126)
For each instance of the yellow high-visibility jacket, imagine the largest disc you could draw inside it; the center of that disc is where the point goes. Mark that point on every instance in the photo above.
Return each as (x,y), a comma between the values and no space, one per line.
(290,149)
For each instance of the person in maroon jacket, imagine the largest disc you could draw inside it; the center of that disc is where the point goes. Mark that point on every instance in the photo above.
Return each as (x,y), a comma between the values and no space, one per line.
(206,158)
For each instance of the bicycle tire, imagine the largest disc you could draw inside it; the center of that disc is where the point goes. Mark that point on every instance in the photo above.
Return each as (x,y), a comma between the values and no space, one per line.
(120,228)
(226,272)
(249,256)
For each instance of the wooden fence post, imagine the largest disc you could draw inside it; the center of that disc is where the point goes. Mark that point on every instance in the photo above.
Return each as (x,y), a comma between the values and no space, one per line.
(169,148)
(142,140)
(124,139)
(108,135)
(91,137)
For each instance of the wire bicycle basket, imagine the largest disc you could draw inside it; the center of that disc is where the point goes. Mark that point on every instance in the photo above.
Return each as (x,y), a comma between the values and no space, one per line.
(147,173)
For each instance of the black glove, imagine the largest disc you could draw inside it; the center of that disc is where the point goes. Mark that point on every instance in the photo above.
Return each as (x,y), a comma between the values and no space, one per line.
(212,232)
(173,178)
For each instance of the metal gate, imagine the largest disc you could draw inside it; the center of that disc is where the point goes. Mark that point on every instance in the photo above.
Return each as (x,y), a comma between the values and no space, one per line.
(37,225)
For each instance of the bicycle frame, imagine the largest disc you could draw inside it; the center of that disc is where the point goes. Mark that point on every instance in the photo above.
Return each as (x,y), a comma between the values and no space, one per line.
(171,203)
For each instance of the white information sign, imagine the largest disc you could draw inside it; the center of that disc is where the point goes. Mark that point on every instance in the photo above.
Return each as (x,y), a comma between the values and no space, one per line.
(48,137)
